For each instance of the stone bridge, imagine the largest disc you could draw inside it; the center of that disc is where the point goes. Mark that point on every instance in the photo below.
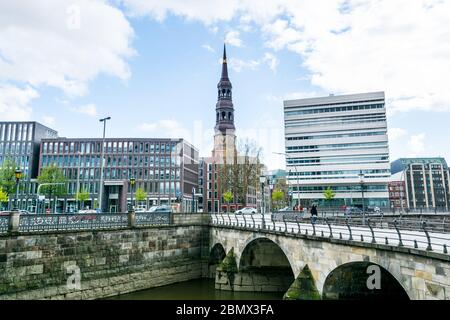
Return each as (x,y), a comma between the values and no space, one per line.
(328,268)
(41,257)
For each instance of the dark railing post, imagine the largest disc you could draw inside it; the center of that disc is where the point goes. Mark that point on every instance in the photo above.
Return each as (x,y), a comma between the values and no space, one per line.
(400,243)
(314,227)
(285,224)
(424,224)
(223,219)
(371,231)
(349,229)
(253,222)
(273,222)
(229,219)
(237,221)
(298,223)
(245,221)
(329,227)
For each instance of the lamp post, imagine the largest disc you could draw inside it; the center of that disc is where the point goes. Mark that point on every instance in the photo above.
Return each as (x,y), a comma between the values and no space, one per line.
(270,195)
(18,175)
(361,180)
(100,196)
(262,180)
(132,183)
(298,179)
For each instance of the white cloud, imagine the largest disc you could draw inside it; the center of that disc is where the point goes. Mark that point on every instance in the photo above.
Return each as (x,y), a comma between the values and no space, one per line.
(14,102)
(238,65)
(63,44)
(208,48)
(347,46)
(396,133)
(416,145)
(48,120)
(271,61)
(232,38)
(88,109)
(165,128)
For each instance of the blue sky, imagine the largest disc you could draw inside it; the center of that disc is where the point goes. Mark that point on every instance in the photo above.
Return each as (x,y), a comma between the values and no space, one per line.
(153,66)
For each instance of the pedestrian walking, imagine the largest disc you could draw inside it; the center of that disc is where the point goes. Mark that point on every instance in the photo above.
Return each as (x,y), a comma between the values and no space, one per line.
(313,213)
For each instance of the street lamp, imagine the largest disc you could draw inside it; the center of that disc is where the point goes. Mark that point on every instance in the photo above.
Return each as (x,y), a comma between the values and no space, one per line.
(271,185)
(361,181)
(262,180)
(298,177)
(18,175)
(100,196)
(132,183)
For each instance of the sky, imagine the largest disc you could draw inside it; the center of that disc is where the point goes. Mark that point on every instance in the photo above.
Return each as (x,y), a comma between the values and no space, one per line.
(153,66)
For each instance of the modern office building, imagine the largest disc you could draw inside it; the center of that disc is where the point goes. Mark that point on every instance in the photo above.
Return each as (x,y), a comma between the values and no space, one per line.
(19,142)
(339,142)
(426,180)
(166,169)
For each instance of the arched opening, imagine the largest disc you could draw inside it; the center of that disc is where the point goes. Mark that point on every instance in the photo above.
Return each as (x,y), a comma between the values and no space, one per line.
(216,256)
(264,267)
(224,115)
(362,281)
(230,116)
(217,120)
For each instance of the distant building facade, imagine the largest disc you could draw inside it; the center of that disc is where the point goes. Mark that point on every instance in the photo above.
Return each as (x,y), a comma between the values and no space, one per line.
(397,192)
(166,169)
(331,141)
(426,180)
(19,142)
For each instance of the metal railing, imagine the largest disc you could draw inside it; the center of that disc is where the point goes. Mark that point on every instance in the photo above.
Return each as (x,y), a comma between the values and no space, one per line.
(32,223)
(4,224)
(421,235)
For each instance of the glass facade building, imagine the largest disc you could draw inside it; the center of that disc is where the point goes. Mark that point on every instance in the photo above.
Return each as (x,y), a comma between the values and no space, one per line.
(339,142)
(166,169)
(426,180)
(19,142)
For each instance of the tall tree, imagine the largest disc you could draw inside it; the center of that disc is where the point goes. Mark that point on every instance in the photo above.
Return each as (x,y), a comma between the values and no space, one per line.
(228,197)
(56,178)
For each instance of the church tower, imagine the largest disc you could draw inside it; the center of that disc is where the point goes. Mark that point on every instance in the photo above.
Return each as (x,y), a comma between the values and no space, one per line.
(224,138)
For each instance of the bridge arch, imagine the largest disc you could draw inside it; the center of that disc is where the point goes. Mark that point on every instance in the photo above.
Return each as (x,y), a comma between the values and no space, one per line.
(264,264)
(216,256)
(361,280)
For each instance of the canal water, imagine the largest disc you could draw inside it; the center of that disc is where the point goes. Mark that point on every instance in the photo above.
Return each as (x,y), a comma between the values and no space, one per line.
(199,289)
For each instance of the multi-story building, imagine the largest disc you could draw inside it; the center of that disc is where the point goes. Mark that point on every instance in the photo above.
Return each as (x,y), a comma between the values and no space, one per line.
(166,169)
(339,142)
(19,142)
(427,182)
(397,192)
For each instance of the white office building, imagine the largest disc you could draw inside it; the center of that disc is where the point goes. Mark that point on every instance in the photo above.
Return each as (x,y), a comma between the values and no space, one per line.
(339,142)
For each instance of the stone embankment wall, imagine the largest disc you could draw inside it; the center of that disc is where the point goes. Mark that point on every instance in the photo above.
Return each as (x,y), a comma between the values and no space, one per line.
(98,264)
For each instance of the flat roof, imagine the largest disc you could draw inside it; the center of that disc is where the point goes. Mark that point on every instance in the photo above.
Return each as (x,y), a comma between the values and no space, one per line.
(358,97)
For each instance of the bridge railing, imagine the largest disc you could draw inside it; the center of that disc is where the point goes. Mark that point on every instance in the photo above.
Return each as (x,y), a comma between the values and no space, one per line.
(420,235)
(17,223)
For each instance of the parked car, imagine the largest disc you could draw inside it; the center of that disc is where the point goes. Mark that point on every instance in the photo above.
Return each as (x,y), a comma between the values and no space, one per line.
(353,211)
(160,209)
(374,210)
(88,211)
(285,209)
(246,210)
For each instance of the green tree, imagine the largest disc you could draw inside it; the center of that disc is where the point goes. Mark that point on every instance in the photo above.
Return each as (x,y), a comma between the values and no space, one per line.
(141,195)
(228,197)
(7,176)
(277,197)
(83,195)
(329,194)
(3,197)
(53,175)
